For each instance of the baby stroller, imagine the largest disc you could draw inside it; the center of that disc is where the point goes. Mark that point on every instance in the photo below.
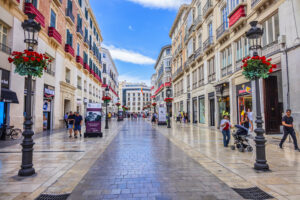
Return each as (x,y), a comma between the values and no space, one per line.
(241,139)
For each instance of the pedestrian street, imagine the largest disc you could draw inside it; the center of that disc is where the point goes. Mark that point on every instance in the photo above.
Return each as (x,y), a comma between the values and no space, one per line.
(138,160)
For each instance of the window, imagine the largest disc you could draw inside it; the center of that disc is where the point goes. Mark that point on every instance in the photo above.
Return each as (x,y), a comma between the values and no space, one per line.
(199,10)
(79,22)
(271,33)
(78,49)
(199,41)
(3,34)
(91,24)
(239,50)
(69,38)
(50,67)
(168,51)
(104,56)
(53,19)
(80,2)
(68,75)
(246,47)
(226,63)
(34,2)
(201,75)
(224,17)
(190,48)
(85,57)
(104,67)
(70,6)
(211,70)
(86,14)
(190,20)
(194,79)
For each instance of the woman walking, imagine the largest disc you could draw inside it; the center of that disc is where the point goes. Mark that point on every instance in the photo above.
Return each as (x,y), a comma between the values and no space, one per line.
(225,129)
(245,121)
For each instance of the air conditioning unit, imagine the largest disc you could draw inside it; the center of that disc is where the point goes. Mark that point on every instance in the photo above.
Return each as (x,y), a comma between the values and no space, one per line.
(282,39)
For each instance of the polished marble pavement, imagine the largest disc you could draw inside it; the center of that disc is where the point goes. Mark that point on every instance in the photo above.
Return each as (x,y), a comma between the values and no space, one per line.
(141,163)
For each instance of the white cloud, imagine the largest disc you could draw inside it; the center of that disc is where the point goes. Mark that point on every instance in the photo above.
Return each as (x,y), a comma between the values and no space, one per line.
(130,28)
(133,79)
(163,4)
(129,56)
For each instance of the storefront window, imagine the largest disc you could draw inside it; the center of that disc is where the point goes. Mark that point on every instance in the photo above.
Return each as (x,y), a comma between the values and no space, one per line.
(224,106)
(201,110)
(244,92)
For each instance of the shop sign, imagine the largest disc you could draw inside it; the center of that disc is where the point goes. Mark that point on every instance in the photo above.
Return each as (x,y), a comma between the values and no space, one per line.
(5,79)
(244,89)
(49,91)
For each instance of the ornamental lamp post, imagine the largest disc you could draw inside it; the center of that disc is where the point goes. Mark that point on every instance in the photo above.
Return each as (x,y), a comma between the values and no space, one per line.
(168,93)
(106,102)
(254,35)
(31,30)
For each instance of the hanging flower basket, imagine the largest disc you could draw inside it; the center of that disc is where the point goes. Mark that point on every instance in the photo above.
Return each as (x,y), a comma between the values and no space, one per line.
(168,99)
(153,104)
(257,67)
(29,63)
(118,104)
(125,108)
(106,99)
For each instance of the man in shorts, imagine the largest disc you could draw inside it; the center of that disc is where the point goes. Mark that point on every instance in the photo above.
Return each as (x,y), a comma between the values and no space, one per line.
(78,123)
(71,119)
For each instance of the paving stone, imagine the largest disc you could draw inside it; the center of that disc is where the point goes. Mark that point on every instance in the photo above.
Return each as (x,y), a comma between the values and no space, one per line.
(141,163)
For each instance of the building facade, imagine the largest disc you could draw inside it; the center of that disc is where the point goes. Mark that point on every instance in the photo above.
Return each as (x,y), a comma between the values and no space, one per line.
(134,95)
(162,75)
(71,37)
(110,78)
(208,45)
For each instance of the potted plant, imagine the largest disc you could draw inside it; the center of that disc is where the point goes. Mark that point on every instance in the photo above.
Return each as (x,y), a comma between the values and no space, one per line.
(106,99)
(168,100)
(29,63)
(257,67)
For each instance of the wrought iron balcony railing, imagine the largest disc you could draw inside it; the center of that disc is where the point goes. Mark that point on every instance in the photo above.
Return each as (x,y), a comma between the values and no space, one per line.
(221,29)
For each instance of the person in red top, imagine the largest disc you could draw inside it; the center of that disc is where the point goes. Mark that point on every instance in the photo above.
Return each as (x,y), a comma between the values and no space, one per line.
(225,128)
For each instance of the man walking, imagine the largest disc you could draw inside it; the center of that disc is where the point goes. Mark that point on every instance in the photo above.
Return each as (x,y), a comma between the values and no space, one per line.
(66,119)
(78,123)
(71,119)
(287,122)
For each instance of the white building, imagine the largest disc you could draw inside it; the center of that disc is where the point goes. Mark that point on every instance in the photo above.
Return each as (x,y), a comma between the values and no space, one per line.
(134,95)
(163,75)
(110,77)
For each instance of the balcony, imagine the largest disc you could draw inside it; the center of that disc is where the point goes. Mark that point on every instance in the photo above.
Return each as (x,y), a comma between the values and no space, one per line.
(238,15)
(226,70)
(29,8)
(79,32)
(222,31)
(69,50)
(256,4)
(69,16)
(79,60)
(270,49)
(86,42)
(86,67)
(50,72)
(208,7)
(57,2)
(5,49)
(198,53)
(208,43)
(211,77)
(52,32)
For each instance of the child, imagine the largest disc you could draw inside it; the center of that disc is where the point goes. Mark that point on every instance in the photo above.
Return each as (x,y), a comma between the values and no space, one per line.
(225,129)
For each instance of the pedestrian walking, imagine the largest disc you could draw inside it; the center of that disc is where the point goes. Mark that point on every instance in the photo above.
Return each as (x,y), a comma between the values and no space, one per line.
(71,119)
(245,122)
(225,129)
(154,118)
(250,116)
(66,119)
(288,128)
(78,124)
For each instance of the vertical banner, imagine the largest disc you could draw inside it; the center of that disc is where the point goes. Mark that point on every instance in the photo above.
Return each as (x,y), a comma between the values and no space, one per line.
(162,115)
(93,118)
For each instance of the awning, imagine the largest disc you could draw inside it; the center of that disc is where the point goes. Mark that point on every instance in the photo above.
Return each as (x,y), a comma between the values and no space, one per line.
(8,96)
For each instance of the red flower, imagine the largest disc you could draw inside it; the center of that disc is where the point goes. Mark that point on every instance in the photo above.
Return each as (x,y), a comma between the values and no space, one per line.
(246,64)
(26,59)
(263,58)
(270,70)
(32,58)
(269,59)
(10,60)
(274,66)
(38,59)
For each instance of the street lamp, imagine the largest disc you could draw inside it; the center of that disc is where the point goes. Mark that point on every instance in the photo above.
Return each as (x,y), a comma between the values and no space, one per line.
(106,102)
(168,93)
(254,35)
(31,30)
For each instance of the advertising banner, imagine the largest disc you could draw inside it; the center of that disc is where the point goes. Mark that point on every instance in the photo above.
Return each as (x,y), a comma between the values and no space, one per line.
(93,120)
(162,115)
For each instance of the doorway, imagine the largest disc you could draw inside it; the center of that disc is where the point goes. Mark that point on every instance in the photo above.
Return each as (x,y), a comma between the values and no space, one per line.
(212,111)
(273,105)
(67,106)
(188,110)
(195,110)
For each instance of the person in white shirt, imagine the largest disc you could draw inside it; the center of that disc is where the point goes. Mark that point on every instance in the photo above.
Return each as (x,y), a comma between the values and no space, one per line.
(250,116)
(225,129)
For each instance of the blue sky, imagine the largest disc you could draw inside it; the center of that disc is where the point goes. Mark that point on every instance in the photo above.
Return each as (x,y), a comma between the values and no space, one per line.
(134,31)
